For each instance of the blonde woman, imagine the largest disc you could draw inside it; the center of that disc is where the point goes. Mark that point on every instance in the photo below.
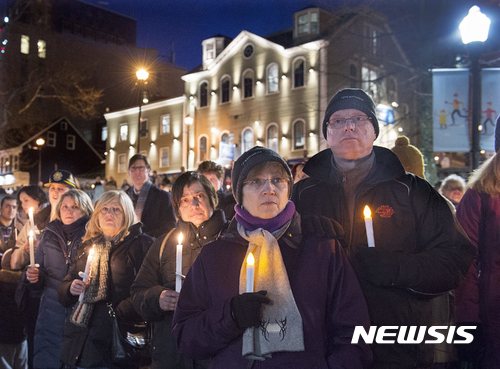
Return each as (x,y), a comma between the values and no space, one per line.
(119,246)
(478,298)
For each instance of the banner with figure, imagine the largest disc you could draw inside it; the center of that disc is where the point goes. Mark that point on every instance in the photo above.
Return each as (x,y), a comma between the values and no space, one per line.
(450,91)
(490,106)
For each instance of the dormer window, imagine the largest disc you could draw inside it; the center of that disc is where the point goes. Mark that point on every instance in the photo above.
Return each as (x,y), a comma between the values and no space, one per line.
(307,23)
(209,51)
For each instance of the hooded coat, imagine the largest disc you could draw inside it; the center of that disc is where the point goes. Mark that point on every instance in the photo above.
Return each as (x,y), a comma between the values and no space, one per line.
(419,251)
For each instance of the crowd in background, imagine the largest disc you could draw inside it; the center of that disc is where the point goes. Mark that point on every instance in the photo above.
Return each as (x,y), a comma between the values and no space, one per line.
(72,261)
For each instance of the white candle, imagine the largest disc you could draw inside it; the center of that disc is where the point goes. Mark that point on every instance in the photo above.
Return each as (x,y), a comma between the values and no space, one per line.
(178,264)
(31,241)
(369,226)
(86,273)
(250,272)
(31,219)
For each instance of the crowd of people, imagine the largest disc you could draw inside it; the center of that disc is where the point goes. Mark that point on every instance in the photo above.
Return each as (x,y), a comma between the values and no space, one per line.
(277,273)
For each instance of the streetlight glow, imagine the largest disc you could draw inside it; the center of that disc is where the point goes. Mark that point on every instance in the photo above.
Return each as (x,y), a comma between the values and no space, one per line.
(142,74)
(475,26)
(40,141)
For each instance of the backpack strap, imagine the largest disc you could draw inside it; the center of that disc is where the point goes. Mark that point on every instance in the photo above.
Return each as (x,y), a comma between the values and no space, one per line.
(164,243)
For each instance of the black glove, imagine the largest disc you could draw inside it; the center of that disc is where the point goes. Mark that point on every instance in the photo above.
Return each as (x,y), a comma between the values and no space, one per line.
(246,308)
(472,352)
(380,267)
(321,226)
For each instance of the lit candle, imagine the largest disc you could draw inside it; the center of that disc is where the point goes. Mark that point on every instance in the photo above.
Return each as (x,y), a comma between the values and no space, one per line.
(369,226)
(86,273)
(178,264)
(31,241)
(250,272)
(30,217)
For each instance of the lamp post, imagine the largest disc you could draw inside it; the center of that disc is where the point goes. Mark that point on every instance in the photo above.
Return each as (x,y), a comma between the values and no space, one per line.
(39,143)
(142,80)
(188,121)
(474,30)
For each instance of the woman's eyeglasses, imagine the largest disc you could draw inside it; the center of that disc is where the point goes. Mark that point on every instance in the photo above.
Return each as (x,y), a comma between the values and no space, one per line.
(111,210)
(258,183)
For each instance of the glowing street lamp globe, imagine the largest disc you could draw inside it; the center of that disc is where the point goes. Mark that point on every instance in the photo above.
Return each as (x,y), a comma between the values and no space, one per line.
(475,26)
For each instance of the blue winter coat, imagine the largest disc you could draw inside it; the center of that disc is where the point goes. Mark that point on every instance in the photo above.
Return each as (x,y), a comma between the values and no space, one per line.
(55,254)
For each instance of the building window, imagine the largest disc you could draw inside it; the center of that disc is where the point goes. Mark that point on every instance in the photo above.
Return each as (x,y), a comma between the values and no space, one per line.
(298,73)
(247,140)
(209,51)
(299,135)
(225,89)
(51,139)
(165,124)
(70,142)
(64,126)
(203,148)
(307,23)
(164,157)
(248,51)
(25,44)
(392,90)
(372,39)
(204,94)
(248,84)
(123,132)
(143,129)
(122,163)
(272,78)
(370,81)
(104,133)
(16,163)
(42,49)
(272,137)
(353,74)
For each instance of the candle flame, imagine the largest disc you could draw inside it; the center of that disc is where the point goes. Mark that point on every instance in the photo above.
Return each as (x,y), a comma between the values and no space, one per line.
(30,211)
(367,212)
(31,234)
(180,238)
(250,259)
(91,253)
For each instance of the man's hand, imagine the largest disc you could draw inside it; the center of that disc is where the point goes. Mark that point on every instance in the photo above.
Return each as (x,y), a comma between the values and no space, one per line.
(247,308)
(33,273)
(168,300)
(77,287)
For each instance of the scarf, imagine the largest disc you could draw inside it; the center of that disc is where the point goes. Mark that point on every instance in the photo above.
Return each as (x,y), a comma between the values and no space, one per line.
(141,201)
(97,289)
(251,223)
(281,326)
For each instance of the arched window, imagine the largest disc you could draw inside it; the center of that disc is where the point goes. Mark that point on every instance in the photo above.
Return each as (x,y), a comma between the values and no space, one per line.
(272,137)
(203,94)
(203,148)
(353,74)
(299,134)
(247,141)
(272,78)
(298,73)
(248,84)
(225,90)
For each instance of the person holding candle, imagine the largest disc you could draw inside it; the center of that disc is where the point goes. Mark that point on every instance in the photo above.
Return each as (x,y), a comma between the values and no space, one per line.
(8,212)
(56,252)
(119,247)
(307,300)
(419,250)
(153,291)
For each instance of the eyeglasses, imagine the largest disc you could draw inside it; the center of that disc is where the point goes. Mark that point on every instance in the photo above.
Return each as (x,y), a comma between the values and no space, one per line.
(113,211)
(258,183)
(188,200)
(340,123)
(137,169)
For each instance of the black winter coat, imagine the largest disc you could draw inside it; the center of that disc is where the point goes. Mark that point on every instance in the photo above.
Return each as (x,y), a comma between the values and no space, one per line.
(91,346)
(419,250)
(158,215)
(158,274)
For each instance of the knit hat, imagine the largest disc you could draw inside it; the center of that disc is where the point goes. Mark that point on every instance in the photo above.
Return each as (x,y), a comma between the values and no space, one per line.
(497,135)
(410,156)
(351,98)
(63,177)
(249,160)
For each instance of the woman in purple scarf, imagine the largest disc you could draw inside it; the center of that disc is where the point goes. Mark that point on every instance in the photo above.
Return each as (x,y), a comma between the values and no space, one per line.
(308,299)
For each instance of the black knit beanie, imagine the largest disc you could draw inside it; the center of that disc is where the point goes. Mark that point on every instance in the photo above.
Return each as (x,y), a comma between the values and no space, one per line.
(249,160)
(351,98)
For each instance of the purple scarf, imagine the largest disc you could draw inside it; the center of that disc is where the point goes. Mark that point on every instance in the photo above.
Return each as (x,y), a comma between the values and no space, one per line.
(251,223)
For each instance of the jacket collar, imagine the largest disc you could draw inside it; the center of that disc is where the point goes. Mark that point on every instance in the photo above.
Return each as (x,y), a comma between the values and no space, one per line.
(207,230)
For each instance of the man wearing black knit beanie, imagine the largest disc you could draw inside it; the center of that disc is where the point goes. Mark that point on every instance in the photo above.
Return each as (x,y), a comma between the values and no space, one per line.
(415,250)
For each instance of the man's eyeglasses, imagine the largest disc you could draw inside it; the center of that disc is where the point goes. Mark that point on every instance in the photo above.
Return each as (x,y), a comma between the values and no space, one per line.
(339,123)
(258,183)
(137,169)
(111,210)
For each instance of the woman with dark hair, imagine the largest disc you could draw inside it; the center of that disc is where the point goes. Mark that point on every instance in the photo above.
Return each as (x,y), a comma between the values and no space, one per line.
(308,302)
(153,291)
(119,246)
(55,254)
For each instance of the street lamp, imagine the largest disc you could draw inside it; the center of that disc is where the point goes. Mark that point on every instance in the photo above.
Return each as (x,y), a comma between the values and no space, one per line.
(142,80)
(474,30)
(39,143)
(188,121)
